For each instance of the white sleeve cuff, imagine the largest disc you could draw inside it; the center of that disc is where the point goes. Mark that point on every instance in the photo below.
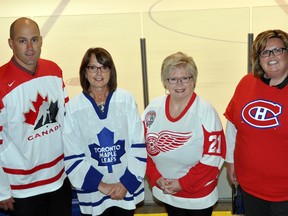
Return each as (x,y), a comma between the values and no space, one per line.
(231,132)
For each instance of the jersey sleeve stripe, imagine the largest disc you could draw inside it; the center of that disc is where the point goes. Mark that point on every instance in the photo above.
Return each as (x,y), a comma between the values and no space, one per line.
(35,169)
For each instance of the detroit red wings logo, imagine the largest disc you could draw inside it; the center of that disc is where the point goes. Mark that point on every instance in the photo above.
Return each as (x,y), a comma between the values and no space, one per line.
(261,114)
(165,141)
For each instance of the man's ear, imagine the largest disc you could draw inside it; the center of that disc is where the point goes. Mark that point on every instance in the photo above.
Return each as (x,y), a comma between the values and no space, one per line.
(41,40)
(10,42)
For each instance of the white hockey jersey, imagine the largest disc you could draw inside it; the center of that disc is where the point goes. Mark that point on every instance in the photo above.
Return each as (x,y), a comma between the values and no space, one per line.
(32,111)
(190,148)
(105,146)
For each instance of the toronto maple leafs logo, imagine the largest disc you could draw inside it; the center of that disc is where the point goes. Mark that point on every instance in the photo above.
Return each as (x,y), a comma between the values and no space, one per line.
(107,153)
(165,141)
(41,112)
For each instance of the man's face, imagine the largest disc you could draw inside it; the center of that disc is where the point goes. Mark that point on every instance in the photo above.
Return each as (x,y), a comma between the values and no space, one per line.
(26,44)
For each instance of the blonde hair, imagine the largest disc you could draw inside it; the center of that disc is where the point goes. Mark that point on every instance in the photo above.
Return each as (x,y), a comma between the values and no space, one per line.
(179,60)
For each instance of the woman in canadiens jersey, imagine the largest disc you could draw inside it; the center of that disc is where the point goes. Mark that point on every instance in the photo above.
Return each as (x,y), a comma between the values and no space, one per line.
(185,142)
(257,138)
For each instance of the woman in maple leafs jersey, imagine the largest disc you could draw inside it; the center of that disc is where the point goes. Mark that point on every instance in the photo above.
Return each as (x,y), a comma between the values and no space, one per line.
(257,129)
(105,154)
(185,142)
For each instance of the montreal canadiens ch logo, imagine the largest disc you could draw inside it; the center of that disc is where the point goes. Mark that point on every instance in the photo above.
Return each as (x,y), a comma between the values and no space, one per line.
(261,114)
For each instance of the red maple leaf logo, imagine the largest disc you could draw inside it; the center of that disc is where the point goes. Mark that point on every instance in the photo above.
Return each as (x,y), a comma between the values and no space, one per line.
(31,116)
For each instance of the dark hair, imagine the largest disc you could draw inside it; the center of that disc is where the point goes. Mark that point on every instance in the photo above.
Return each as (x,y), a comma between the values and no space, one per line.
(259,45)
(104,58)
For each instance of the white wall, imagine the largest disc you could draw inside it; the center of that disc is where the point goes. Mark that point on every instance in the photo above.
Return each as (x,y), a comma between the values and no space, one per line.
(213,32)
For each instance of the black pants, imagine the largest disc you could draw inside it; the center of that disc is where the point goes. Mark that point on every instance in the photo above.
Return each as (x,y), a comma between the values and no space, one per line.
(255,207)
(57,203)
(116,211)
(174,211)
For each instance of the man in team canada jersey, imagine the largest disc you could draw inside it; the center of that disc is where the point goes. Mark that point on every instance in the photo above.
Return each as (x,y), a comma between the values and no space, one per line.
(32,101)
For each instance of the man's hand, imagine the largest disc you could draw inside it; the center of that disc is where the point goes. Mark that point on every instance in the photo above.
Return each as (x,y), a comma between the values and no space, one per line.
(7,204)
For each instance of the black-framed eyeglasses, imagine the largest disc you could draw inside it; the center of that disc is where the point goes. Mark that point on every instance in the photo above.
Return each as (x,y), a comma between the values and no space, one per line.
(175,80)
(94,68)
(276,51)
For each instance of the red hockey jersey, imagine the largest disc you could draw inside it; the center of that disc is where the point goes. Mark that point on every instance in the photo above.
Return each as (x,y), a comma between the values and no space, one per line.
(260,114)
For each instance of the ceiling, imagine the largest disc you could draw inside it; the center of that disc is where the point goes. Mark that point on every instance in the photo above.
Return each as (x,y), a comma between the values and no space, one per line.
(16,8)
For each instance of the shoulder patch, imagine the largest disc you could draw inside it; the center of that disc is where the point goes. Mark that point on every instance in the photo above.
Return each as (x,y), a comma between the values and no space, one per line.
(149,118)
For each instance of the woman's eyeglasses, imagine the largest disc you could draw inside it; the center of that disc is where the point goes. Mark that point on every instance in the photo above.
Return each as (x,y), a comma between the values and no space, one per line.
(276,51)
(94,68)
(175,80)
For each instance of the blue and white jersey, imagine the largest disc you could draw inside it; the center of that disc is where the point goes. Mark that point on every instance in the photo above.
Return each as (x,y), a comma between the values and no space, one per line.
(106,147)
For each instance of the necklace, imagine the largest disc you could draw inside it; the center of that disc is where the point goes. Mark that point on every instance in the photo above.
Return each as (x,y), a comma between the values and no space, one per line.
(100,98)
(101,106)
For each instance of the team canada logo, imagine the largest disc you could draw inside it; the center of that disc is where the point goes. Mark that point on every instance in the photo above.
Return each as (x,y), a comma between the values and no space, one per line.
(262,114)
(165,141)
(42,112)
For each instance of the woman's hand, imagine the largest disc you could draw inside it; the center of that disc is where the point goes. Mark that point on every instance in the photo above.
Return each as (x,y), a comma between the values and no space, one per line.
(118,192)
(161,183)
(105,188)
(169,186)
(231,173)
(172,186)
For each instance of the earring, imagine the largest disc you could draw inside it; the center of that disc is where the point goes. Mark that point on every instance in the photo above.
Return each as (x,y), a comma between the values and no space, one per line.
(167,91)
